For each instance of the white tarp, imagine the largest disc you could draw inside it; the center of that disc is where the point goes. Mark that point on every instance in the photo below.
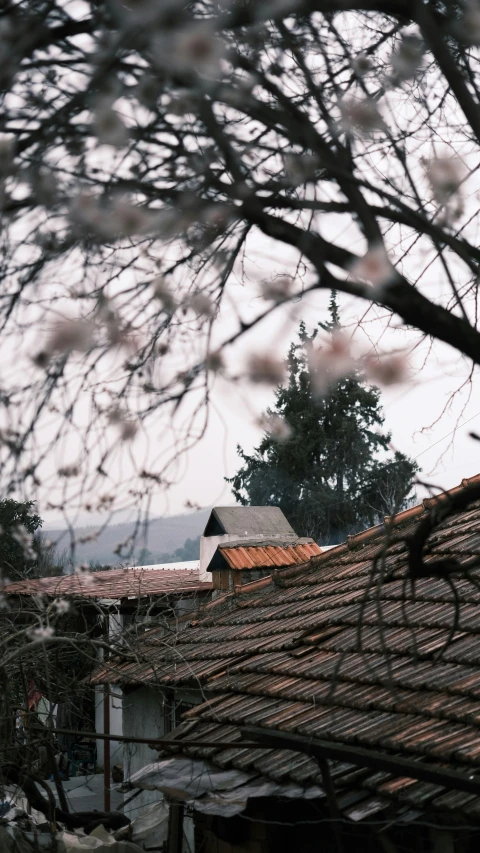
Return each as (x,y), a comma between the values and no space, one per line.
(212,790)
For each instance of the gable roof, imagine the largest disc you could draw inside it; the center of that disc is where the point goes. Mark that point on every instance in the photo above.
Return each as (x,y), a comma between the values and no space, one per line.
(113,584)
(248,521)
(332,652)
(248,554)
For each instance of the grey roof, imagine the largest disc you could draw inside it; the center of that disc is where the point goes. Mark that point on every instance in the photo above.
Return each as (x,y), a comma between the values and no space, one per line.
(264,541)
(248,521)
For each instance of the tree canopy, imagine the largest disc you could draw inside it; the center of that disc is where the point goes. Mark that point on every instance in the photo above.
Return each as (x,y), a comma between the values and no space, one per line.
(152,157)
(324,460)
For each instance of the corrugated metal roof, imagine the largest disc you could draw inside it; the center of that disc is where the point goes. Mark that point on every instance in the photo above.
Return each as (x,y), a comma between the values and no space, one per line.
(326,651)
(114,583)
(240,556)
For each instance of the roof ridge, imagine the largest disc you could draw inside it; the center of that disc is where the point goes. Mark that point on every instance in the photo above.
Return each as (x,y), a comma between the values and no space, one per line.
(390,521)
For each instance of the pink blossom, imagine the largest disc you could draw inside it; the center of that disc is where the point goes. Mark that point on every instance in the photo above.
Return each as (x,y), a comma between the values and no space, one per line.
(387,369)
(375,267)
(109,127)
(264,368)
(40,634)
(361,115)
(330,363)
(278,289)
(275,426)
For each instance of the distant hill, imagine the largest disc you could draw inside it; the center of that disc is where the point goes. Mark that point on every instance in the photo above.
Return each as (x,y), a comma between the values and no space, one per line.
(165,536)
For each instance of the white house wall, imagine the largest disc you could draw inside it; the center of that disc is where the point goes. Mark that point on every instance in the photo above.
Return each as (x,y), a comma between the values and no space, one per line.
(143,717)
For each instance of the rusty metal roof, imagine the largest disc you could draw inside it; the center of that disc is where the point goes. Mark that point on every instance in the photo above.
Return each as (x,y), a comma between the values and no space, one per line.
(262,555)
(329,651)
(113,584)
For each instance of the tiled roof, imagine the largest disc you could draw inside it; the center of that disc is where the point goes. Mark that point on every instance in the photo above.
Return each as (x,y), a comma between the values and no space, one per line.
(113,584)
(259,555)
(331,652)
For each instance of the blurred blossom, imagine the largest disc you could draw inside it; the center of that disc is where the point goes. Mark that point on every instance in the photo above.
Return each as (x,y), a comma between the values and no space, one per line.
(469,25)
(217,215)
(375,267)
(40,634)
(25,540)
(121,217)
(45,187)
(195,48)
(387,369)
(141,12)
(215,362)
(109,127)
(164,294)
(182,104)
(129,219)
(264,368)
(128,428)
(407,58)
(445,175)
(202,304)
(360,116)
(300,168)
(6,156)
(276,427)
(278,289)
(361,64)
(85,211)
(330,363)
(68,471)
(148,91)
(84,571)
(61,606)
(67,336)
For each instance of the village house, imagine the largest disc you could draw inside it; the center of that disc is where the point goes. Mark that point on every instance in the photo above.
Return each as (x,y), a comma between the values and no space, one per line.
(240,545)
(108,605)
(334,701)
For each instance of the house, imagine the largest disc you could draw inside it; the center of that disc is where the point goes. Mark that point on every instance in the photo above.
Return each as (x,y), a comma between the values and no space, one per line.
(106,604)
(234,552)
(336,702)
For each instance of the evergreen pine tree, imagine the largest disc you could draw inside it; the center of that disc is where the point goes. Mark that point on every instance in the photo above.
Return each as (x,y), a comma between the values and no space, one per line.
(334,474)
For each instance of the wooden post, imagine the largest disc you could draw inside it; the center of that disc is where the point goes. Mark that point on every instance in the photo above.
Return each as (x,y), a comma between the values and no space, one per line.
(175,827)
(106,748)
